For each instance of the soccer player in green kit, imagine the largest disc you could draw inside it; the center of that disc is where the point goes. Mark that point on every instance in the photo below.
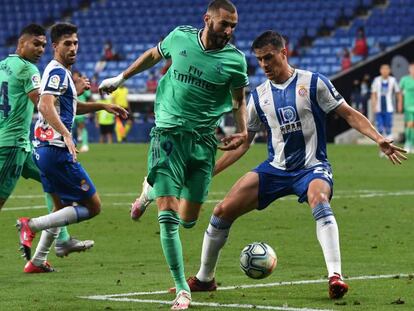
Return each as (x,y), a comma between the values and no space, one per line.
(19,85)
(407,88)
(207,78)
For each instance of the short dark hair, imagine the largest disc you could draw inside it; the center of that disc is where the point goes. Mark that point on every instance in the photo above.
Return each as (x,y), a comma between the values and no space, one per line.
(227,5)
(269,37)
(33,30)
(60,29)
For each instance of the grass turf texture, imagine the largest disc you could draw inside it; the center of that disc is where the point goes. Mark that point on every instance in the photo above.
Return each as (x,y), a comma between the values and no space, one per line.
(375,224)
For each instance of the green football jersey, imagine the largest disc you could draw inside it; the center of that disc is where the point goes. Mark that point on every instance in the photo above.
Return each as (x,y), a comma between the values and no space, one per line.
(18,77)
(196,90)
(407,87)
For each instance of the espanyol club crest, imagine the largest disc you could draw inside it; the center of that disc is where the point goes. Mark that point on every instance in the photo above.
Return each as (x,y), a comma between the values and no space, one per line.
(84,185)
(302,91)
(287,114)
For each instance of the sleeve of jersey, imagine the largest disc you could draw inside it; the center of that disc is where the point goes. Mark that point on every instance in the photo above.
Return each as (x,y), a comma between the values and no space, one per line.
(254,124)
(32,80)
(327,96)
(240,78)
(165,45)
(374,88)
(396,86)
(54,82)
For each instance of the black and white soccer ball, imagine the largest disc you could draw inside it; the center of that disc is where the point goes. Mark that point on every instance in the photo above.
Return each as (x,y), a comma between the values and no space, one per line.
(258,260)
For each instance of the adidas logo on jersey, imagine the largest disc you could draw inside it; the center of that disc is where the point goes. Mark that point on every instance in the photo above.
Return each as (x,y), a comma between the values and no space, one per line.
(183,53)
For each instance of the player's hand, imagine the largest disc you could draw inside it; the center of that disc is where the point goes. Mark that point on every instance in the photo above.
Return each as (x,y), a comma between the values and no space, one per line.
(111,84)
(71,146)
(116,110)
(82,84)
(232,141)
(394,153)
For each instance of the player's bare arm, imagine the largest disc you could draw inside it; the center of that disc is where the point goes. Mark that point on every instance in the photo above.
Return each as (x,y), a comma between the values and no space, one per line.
(34,96)
(147,60)
(83,108)
(48,110)
(239,112)
(232,156)
(359,122)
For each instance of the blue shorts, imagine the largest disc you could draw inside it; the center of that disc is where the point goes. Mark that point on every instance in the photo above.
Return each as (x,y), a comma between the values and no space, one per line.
(384,122)
(275,183)
(60,175)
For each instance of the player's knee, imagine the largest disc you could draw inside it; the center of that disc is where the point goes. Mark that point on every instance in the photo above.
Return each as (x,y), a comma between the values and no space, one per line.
(224,210)
(317,198)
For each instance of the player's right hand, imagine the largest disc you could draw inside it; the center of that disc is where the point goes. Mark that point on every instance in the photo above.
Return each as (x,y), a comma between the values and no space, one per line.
(111,84)
(71,146)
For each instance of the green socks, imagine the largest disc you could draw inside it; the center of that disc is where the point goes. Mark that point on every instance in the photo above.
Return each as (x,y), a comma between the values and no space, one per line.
(84,137)
(63,234)
(171,246)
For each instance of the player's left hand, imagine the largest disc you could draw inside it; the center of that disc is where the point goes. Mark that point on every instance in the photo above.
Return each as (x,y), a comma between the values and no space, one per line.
(116,110)
(232,141)
(393,152)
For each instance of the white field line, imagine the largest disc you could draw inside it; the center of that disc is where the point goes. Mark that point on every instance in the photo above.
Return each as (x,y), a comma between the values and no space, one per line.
(121,194)
(206,304)
(123,297)
(350,195)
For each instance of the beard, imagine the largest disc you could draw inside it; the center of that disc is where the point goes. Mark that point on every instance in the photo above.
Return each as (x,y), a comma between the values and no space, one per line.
(217,40)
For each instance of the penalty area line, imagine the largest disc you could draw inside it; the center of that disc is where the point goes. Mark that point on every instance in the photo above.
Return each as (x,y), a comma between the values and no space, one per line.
(123,297)
(205,304)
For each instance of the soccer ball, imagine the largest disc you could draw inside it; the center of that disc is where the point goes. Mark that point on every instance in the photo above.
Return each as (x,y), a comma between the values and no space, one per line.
(258,260)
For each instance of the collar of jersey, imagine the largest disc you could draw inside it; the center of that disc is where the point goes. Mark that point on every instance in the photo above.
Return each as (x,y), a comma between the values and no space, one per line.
(286,83)
(200,43)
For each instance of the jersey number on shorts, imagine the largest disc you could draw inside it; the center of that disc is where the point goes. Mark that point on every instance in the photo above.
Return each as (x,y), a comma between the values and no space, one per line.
(4,99)
(324,172)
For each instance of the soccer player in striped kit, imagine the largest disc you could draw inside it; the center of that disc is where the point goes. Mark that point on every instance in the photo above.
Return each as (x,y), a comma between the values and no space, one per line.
(291,106)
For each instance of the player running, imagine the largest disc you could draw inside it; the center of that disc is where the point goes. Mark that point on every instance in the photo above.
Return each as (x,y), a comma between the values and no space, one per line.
(55,153)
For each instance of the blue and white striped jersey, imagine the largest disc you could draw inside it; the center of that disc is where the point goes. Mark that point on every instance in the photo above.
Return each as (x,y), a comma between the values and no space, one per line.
(56,80)
(293,113)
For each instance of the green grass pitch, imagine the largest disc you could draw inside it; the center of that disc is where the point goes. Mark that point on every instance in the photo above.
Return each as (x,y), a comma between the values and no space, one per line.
(373,204)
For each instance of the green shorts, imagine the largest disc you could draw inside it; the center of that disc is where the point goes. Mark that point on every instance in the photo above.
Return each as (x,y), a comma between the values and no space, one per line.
(181,163)
(15,162)
(409,116)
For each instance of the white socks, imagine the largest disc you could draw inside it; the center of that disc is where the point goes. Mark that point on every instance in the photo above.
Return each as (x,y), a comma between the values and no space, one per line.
(60,218)
(45,243)
(214,240)
(328,237)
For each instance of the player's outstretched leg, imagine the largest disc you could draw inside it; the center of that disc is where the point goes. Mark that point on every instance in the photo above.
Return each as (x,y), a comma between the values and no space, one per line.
(142,202)
(68,215)
(64,248)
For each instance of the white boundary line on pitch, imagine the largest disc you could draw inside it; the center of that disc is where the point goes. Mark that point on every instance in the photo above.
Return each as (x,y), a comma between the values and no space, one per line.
(120,194)
(117,297)
(363,194)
